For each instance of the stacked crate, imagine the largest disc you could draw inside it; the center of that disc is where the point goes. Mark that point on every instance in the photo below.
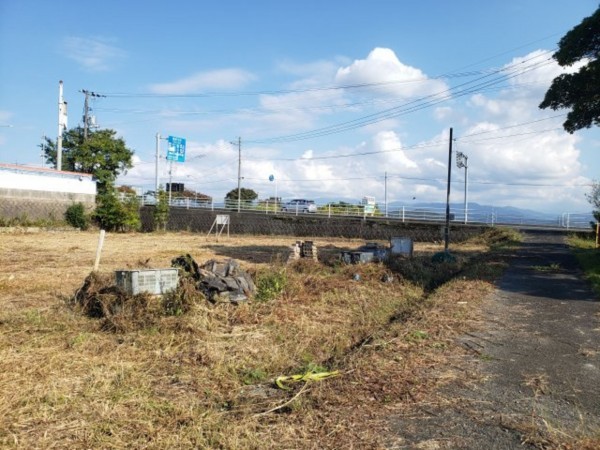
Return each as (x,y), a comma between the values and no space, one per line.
(302,249)
(309,250)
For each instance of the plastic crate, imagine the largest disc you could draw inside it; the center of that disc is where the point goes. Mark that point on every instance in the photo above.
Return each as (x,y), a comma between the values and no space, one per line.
(152,281)
(357,257)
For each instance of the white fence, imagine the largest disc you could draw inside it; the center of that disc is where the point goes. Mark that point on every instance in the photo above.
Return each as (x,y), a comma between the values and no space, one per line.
(565,220)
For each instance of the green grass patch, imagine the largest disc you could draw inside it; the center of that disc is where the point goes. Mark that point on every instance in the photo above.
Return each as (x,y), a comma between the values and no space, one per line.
(270,283)
(417,335)
(589,258)
(498,238)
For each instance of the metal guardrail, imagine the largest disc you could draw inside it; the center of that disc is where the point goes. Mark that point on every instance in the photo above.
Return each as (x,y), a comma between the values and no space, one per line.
(567,220)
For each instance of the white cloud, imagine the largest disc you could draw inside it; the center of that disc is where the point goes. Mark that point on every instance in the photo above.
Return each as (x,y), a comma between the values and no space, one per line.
(530,77)
(302,110)
(311,71)
(5,117)
(202,81)
(308,154)
(442,112)
(502,171)
(388,74)
(294,111)
(93,54)
(537,69)
(512,147)
(388,141)
(538,171)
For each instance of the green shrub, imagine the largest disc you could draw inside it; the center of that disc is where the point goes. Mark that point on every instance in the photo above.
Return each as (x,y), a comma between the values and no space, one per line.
(76,216)
(113,214)
(270,284)
(161,211)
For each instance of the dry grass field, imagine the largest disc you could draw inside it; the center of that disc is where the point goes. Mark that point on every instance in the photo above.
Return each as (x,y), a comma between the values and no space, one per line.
(204,379)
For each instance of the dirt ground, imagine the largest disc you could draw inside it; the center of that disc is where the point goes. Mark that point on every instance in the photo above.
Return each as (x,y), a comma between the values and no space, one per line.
(531,373)
(524,375)
(61,259)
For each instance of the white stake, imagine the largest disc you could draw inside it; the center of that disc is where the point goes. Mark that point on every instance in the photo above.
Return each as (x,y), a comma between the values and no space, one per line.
(99,249)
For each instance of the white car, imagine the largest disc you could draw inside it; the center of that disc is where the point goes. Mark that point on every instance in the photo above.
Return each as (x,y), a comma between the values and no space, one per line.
(299,205)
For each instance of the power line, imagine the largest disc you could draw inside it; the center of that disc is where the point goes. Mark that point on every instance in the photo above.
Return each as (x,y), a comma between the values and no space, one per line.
(351,155)
(298,91)
(418,146)
(448,75)
(436,180)
(418,104)
(269,110)
(511,126)
(517,134)
(412,106)
(430,144)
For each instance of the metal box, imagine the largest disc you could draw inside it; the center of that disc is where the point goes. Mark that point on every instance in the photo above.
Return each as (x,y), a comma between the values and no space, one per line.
(152,281)
(402,246)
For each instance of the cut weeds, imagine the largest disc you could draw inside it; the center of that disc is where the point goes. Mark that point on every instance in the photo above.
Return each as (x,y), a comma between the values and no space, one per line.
(185,373)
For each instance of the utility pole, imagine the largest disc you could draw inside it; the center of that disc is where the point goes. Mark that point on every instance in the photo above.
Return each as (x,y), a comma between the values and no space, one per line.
(156,171)
(385,195)
(447,229)
(86,111)
(42,146)
(239,144)
(462,160)
(62,125)
(466,190)
(170,179)
(86,108)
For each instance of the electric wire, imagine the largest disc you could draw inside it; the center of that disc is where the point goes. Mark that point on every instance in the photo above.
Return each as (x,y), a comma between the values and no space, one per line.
(299,90)
(418,146)
(405,108)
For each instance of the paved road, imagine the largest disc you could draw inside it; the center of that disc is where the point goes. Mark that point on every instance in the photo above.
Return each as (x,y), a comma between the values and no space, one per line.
(536,361)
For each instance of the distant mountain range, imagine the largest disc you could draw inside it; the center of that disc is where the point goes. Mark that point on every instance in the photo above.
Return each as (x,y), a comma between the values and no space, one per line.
(476,208)
(486,213)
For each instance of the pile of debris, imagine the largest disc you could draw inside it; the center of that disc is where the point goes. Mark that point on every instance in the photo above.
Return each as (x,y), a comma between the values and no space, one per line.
(118,310)
(219,281)
(370,252)
(374,252)
(303,249)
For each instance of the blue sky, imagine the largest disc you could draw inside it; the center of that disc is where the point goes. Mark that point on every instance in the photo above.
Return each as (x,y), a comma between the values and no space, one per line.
(327,96)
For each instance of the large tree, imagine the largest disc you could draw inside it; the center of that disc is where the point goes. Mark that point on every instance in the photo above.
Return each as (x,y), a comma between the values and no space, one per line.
(246,195)
(578,91)
(594,198)
(102,154)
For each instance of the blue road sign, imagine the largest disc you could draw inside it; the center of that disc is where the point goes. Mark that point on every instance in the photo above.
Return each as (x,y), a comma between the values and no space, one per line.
(176,149)
(271,177)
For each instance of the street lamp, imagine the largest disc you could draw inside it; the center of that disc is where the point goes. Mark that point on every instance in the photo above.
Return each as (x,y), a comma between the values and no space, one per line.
(462,161)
